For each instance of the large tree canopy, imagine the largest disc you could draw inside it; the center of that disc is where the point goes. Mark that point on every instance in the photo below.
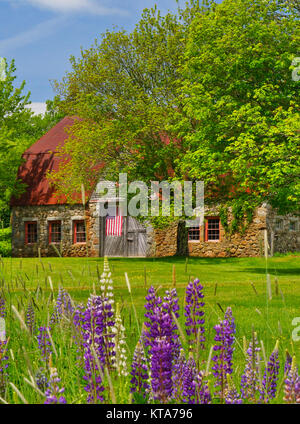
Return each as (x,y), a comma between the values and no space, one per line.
(241,117)
(125,88)
(216,78)
(19,128)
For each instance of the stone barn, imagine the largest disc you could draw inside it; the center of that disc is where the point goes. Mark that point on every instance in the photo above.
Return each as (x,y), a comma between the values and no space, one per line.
(44,224)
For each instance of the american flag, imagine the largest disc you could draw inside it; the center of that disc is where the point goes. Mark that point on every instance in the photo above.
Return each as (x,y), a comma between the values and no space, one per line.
(114,225)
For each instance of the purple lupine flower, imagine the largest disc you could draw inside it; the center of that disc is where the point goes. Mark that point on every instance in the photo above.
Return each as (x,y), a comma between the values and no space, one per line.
(170,304)
(160,320)
(44,344)
(64,303)
(223,352)
(161,369)
(54,392)
(231,394)
(2,307)
(269,384)
(177,377)
(62,307)
(55,317)
(41,380)
(93,343)
(202,392)
(139,372)
(292,384)
(250,384)
(230,319)
(189,385)
(288,362)
(30,318)
(3,366)
(194,323)
(160,335)
(78,320)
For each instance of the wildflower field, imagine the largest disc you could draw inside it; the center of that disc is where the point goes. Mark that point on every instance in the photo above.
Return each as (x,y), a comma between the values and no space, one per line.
(149,331)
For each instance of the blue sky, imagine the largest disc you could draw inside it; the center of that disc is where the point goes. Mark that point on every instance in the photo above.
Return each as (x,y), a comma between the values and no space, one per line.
(41,35)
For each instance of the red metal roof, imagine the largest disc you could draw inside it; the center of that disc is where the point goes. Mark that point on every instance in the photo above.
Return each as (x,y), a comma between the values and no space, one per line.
(39,159)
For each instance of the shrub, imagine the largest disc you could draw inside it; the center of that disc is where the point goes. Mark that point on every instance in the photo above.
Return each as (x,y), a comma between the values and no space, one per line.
(5,248)
(5,234)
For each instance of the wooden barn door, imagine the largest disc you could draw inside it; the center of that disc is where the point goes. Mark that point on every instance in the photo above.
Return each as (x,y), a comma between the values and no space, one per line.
(132,241)
(136,238)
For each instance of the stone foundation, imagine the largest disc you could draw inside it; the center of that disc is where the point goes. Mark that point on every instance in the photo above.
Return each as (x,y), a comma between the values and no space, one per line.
(160,242)
(43,214)
(282,238)
(250,243)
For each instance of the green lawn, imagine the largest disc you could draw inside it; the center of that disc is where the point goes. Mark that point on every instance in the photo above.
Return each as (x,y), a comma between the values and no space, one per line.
(236,282)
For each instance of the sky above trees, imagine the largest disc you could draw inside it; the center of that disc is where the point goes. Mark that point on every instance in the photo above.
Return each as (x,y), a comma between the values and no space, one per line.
(42,34)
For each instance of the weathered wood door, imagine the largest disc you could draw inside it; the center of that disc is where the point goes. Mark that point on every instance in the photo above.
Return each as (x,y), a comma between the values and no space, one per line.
(136,238)
(132,241)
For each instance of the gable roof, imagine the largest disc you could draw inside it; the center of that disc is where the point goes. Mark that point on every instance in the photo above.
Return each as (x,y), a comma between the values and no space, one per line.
(38,160)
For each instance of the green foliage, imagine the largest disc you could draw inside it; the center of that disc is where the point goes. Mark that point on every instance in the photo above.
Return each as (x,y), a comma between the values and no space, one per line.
(5,248)
(19,128)
(5,234)
(125,88)
(5,242)
(241,106)
(205,94)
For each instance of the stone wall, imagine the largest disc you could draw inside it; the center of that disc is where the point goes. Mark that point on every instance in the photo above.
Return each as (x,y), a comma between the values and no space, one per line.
(43,215)
(250,243)
(173,240)
(165,241)
(282,235)
(160,242)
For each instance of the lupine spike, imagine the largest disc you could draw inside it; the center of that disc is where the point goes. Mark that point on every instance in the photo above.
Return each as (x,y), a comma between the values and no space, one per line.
(194,313)
(107,295)
(223,352)
(139,372)
(231,394)
(44,344)
(30,318)
(161,370)
(269,384)
(250,384)
(91,322)
(160,321)
(292,384)
(120,343)
(54,392)
(2,307)
(3,366)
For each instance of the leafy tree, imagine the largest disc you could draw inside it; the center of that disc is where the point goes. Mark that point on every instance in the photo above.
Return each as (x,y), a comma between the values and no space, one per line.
(216,79)
(125,89)
(19,128)
(241,122)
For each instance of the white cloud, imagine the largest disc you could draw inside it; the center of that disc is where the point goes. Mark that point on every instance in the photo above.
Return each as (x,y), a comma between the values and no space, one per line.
(72,6)
(33,34)
(37,107)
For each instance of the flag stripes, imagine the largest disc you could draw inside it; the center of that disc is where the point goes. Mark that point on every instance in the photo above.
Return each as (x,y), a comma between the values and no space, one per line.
(114,225)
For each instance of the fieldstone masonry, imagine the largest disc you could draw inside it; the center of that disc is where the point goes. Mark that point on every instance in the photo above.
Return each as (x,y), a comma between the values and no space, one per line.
(283,234)
(251,243)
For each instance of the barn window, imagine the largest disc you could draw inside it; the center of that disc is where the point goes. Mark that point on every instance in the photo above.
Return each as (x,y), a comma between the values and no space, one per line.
(293,226)
(30,232)
(54,232)
(278,224)
(79,235)
(194,233)
(212,229)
